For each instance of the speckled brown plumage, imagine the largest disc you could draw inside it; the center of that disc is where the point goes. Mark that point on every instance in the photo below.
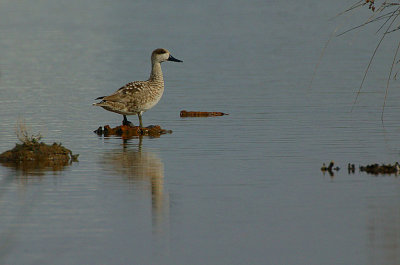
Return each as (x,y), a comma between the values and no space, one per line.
(139,96)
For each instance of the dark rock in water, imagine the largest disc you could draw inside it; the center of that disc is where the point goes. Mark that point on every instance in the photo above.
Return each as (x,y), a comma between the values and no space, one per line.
(374,169)
(384,169)
(127,131)
(35,155)
(351,168)
(330,168)
(99,131)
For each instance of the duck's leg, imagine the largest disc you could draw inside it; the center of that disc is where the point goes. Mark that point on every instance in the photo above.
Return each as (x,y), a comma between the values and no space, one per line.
(126,122)
(140,119)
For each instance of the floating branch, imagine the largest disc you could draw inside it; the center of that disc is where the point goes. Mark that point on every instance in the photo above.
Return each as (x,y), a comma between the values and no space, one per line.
(185,113)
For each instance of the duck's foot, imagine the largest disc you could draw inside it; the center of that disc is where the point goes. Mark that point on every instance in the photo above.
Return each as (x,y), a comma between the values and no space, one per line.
(126,122)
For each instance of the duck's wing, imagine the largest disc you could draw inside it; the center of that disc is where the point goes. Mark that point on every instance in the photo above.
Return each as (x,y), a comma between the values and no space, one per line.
(126,92)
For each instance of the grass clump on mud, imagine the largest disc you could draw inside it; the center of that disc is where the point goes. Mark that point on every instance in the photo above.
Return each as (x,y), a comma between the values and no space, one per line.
(38,151)
(32,153)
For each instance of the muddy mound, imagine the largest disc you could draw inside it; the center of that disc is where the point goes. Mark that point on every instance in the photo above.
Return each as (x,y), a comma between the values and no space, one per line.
(35,155)
(127,131)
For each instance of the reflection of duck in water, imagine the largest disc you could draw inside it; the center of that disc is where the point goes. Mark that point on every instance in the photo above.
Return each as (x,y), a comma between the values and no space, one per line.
(141,166)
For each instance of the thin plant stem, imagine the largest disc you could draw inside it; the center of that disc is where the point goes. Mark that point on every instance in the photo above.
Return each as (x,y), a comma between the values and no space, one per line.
(371,59)
(388,80)
(357,4)
(322,55)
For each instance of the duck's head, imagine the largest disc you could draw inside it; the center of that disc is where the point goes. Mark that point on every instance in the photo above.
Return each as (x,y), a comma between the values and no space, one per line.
(161,55)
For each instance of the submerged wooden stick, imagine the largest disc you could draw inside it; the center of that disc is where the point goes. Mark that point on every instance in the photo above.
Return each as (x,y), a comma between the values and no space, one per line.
(185,113)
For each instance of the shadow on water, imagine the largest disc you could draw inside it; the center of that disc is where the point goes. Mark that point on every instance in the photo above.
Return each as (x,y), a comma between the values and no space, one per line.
(26,170)
(10,231)
(383,226)
(137,166)
(15,183)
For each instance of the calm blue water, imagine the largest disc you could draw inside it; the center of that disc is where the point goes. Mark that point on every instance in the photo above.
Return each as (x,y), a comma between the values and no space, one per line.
(239,189)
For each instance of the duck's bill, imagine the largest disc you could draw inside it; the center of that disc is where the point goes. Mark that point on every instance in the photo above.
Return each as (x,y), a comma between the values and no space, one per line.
(173,59)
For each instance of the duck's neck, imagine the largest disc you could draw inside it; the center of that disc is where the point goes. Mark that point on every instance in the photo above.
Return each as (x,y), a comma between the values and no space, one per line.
(156,73)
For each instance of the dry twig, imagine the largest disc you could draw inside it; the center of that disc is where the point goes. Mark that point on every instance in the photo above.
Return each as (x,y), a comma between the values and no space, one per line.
(389,18)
